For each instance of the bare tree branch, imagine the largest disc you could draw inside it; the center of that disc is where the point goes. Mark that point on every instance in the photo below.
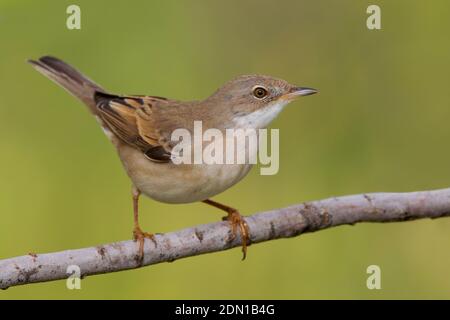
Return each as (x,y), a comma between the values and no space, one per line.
(281,223)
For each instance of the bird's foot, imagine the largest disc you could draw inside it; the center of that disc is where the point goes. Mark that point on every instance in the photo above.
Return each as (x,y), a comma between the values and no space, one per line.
(236,220)
(140,236)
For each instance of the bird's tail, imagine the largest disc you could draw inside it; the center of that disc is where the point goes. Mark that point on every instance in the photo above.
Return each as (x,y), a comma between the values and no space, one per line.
(69,78)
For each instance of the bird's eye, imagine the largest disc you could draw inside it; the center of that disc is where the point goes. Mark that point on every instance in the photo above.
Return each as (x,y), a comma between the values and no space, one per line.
(260,92)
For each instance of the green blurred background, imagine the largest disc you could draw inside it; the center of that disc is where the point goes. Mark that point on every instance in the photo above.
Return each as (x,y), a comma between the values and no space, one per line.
(380,123)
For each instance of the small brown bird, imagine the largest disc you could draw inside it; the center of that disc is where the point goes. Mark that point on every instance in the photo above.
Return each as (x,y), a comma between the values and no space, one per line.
(140,128)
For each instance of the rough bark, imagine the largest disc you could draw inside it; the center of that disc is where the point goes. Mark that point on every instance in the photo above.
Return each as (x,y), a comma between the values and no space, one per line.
(280,223)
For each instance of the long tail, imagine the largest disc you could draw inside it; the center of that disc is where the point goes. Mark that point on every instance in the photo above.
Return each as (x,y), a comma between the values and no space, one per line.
(69,78)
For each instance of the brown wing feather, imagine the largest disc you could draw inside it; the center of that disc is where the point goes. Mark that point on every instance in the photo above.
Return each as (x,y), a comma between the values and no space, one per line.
(130,118)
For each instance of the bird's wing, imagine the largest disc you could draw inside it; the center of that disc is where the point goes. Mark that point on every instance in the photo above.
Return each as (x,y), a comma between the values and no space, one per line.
(133,120)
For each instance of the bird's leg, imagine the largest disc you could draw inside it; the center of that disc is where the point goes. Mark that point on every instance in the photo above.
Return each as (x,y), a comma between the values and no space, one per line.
(235,219)
(138,234)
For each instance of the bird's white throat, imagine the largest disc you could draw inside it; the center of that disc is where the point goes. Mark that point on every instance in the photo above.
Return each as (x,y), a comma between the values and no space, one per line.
(260,118)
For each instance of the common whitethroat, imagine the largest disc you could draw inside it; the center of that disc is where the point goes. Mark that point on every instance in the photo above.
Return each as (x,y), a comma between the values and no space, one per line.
(140,128)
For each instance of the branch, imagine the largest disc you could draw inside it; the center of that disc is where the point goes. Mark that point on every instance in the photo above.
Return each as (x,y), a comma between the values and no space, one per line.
(281,223)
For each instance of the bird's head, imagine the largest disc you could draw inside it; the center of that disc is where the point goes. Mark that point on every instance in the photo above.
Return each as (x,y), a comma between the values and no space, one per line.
(253,101)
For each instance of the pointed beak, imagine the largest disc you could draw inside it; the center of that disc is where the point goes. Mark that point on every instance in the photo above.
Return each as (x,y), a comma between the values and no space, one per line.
(298,92)
(303,91)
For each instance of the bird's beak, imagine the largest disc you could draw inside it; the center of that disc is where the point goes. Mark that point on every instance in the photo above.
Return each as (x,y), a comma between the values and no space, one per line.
(298,92)
(302,91)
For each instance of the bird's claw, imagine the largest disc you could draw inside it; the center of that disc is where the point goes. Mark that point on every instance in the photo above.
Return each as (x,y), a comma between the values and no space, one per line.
(140,236)
(235,219)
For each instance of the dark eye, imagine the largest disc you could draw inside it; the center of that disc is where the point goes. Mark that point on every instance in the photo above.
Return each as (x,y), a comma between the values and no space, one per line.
(260,92)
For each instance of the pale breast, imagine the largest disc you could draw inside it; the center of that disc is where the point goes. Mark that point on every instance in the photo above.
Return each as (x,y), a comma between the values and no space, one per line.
(170,183)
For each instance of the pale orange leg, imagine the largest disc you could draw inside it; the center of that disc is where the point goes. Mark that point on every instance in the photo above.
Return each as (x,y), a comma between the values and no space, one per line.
(235,219)
(138,234)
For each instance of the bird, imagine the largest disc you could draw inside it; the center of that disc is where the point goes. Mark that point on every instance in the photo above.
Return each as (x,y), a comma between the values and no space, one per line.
(140,128)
